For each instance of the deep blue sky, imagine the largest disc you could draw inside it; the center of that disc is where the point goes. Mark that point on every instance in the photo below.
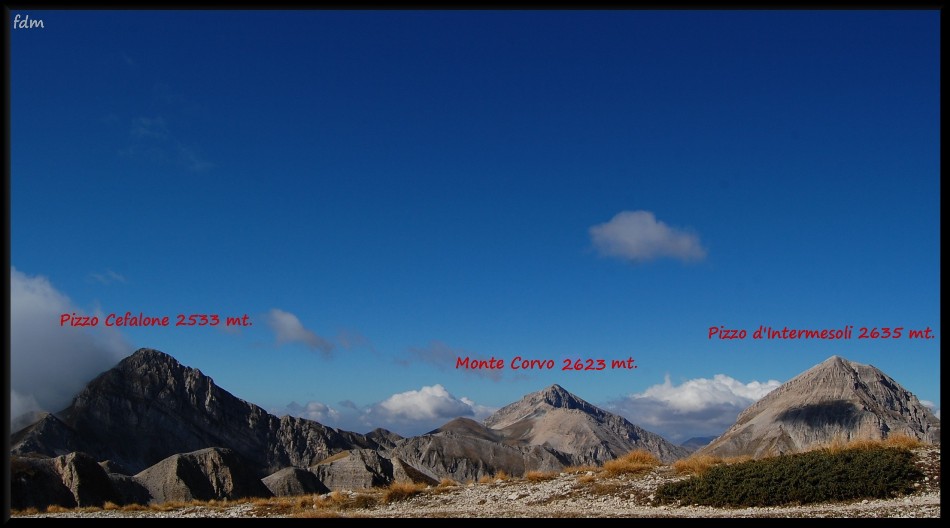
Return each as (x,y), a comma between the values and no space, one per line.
(384,191)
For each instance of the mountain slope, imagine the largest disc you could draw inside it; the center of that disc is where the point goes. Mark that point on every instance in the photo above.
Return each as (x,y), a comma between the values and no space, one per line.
(836,399)
(150,407)
(561,421)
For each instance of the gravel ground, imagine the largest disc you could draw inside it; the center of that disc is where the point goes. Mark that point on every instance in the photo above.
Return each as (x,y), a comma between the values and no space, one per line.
(564,495)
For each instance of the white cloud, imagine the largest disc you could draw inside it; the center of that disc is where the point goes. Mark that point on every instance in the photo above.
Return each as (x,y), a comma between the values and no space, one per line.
(638,236)
(426,403)
(51,363)
(289,329)
(696,407)
(932,406)
(316,411)
(479,412)
(407,413)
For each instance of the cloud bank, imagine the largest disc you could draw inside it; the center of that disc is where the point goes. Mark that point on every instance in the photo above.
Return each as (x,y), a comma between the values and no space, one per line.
(696,407)
(288,329)
(637,236)
(49,363)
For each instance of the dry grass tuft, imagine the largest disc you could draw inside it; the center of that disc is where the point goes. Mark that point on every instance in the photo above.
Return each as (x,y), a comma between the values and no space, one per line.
(447,483)
(400,490)
(634,462)
(902,440)
(539,476)
(898,440)
(738,459)
(56,508)
(485,479)
(696,464)
(362,500)
(501,475)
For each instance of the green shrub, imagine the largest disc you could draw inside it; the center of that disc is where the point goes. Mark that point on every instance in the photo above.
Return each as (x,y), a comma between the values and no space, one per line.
(802,478)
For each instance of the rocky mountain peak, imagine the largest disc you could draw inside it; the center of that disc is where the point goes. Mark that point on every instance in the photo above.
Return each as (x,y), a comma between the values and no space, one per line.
(557,397)
(539,403)
(835,399)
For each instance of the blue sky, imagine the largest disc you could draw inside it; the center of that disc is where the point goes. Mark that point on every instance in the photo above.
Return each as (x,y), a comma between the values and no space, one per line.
(382,192)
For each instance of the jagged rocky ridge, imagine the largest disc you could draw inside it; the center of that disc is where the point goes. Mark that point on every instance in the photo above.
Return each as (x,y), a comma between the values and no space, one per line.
(163,431)
(150,407)
(836,400)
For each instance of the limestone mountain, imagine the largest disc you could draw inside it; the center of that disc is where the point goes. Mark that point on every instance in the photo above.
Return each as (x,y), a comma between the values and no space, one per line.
(150,407)
(837,399)
(556,419)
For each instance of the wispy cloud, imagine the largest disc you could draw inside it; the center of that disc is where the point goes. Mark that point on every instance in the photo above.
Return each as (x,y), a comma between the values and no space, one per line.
(289,329)
(637,236)
(150,128)
(50,363)
(696,407)
(152,139)
(444,357)
(351,339)
(107,277)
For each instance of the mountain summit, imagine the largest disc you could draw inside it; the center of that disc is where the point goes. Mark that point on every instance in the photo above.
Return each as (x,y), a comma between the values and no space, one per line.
(150,406)
(558,419)
(537,404)
(835,399)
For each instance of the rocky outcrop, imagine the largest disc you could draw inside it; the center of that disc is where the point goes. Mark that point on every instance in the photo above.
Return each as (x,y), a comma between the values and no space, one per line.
(150,407)
(587,434)
(355,469)
(294,481)
(35,483)
(129,490)
(462,457)
(70,480)
(212,473)
(835,400)
(85,479)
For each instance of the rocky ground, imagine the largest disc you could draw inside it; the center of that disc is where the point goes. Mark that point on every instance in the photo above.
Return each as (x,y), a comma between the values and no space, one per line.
(582,494)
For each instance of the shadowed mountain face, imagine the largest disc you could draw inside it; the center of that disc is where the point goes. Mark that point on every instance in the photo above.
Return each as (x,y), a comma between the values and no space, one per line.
(834,400)
(150,407)
(167,426)
(160,430)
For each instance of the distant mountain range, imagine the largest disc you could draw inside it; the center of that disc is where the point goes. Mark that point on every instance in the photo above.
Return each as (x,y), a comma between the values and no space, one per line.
(151,429)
